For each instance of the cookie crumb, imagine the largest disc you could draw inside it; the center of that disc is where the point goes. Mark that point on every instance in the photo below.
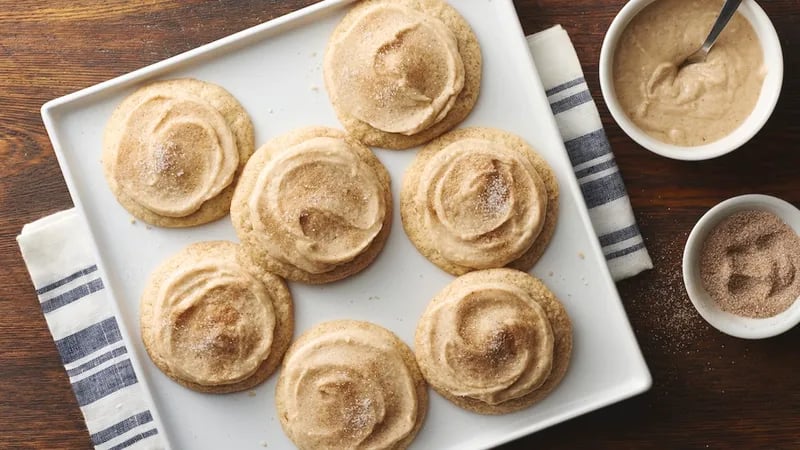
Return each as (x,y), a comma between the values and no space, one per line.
(314,87)
(251,393)
(133,221)
(263,444)
(581,255)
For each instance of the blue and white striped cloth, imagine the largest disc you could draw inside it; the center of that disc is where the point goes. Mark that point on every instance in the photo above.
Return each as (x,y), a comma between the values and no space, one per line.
(590,153)
(114,401)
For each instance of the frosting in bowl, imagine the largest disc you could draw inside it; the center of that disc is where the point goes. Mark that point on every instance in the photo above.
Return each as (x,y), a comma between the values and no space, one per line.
(696,104)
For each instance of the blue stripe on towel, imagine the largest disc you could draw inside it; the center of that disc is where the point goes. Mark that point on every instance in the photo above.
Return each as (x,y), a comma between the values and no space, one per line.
(619,235)
(135,439)
(587,147)
(103,383)
(72,295)
(564,86)
(88,340)
(571,102)
(625,251)
(66,280)
(97,361)
(603,190)
(121,427)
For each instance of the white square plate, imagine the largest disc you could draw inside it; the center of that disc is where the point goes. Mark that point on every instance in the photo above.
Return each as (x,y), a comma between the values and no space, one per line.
(274,69)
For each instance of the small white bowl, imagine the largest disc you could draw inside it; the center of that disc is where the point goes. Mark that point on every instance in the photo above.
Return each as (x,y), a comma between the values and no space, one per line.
(773,81)
(738,326)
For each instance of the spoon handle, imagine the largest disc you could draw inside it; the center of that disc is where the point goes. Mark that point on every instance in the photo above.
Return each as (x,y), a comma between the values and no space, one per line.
(728,9)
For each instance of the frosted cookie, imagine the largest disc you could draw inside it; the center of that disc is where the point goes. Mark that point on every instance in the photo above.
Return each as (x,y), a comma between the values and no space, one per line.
(211,325)
(313,205)
(173,149)
(479,198)
(402,72)
(494,341)
(350,385)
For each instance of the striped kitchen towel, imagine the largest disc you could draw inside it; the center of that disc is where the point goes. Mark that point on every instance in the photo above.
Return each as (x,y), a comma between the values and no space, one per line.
(590,153)
(117,406)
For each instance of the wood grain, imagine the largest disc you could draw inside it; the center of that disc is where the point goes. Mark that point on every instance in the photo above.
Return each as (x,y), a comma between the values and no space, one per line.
(710,390)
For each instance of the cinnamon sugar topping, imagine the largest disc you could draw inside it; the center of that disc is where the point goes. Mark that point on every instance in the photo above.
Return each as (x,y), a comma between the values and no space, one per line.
(749,264)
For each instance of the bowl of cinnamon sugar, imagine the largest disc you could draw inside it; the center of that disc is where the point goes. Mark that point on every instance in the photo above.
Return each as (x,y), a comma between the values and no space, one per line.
(741,266)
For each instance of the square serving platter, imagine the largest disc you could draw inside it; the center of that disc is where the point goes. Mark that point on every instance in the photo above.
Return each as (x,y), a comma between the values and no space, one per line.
(274,70)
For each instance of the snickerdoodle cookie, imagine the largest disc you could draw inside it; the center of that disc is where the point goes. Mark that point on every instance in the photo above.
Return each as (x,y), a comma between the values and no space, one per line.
(313,205)
(479,198)
(402,72)
(494,341)
(347,384)
(210,324)
(172,152)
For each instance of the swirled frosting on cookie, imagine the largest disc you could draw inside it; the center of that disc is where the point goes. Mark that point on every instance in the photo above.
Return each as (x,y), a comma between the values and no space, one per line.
(349,387)
(317,204)
(213,322)
(395,68)
(482,203)
(175,151)
(487,340)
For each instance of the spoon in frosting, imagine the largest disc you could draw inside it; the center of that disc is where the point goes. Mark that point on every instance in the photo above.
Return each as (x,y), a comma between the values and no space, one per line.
(728,9)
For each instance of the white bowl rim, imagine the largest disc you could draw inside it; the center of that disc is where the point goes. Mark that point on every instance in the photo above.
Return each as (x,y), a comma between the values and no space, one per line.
(768,98)
(737,326)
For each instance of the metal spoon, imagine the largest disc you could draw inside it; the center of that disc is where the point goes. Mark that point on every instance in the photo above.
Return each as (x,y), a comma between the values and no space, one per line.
(728,9)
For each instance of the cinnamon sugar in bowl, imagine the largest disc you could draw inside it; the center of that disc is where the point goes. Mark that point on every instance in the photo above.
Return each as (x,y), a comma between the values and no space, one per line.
(739,266)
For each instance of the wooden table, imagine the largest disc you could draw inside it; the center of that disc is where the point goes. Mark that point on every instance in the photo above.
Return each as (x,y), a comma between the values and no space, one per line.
(709,391)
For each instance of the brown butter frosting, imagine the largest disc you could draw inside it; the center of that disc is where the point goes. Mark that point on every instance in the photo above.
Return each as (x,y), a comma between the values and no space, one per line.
(318,204)
(487,341)
(483,203)
(348,388)
(694,104)
(176,152)
(216,322)
(380,70)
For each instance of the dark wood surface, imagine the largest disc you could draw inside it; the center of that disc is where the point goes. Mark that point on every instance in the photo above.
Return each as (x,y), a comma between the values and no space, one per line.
(709,391)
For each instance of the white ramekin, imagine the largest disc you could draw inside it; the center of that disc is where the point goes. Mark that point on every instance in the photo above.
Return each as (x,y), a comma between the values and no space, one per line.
(773,61)
(742,327)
